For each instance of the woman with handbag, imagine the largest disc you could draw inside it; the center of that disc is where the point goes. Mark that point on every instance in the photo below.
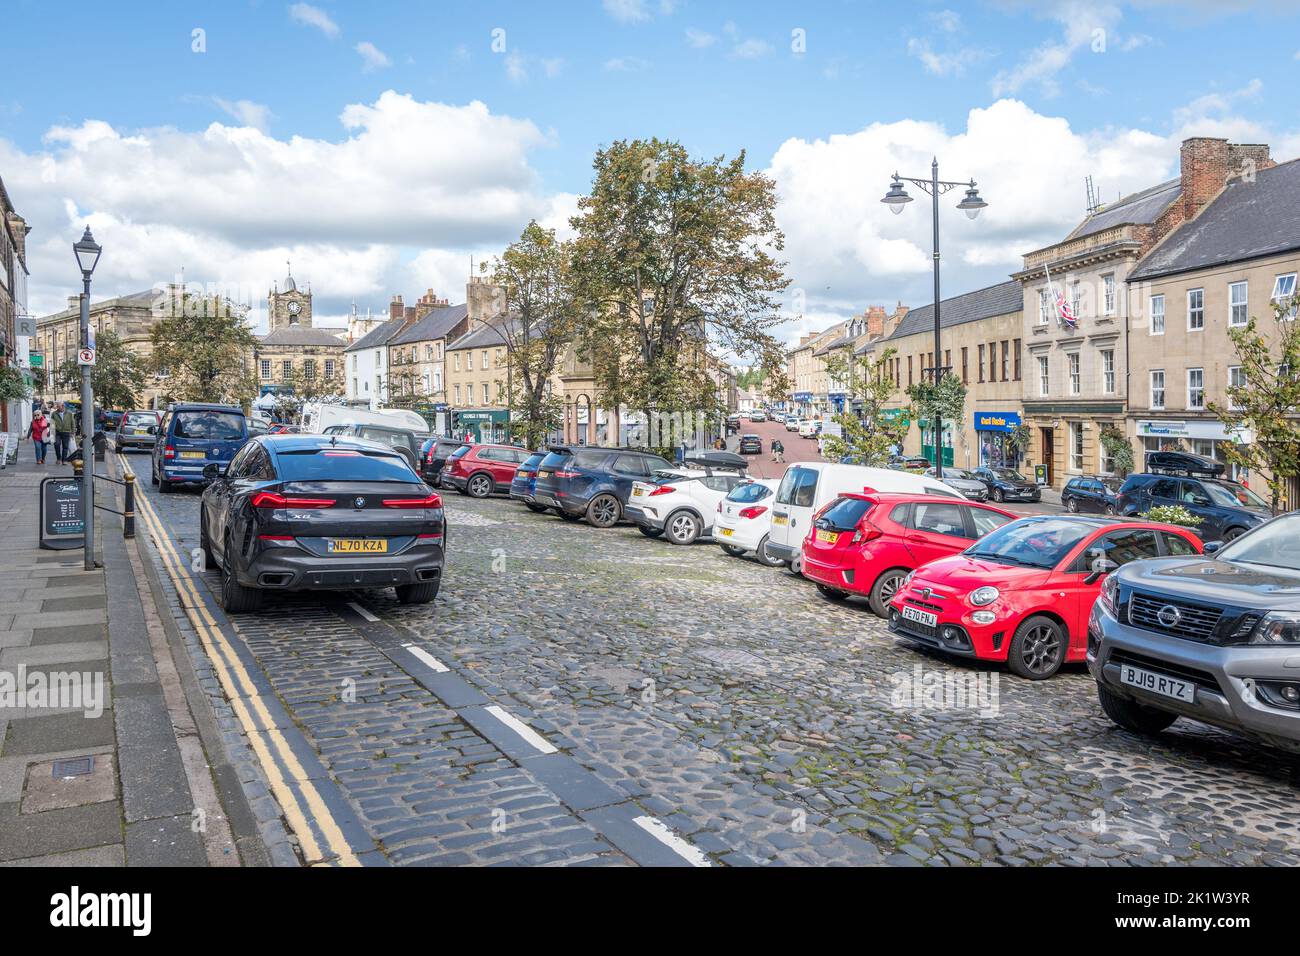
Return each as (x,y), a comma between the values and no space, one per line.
(39,433)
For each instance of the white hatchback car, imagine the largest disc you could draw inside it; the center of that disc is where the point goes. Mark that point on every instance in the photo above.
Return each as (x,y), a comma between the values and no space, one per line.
(744,520)
(807,428)
(681,504)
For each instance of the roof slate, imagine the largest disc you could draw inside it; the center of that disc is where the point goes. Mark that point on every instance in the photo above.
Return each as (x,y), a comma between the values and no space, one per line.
(435,325)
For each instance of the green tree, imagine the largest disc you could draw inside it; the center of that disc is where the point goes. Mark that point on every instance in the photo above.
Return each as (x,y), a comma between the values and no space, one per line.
(203,349)
(536,319)
(871,438)
(13,386)
(1265,404)
(1118,447)
(117,376)
(946,401)
(672,255)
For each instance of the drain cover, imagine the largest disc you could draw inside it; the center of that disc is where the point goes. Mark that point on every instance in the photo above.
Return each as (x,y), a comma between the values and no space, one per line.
(73,767)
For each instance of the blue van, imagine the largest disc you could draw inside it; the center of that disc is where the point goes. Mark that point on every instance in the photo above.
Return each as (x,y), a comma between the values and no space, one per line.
(193,436)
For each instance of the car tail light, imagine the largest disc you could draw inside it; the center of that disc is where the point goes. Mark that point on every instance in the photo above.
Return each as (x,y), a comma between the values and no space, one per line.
(433,501)
(567,474)
(525,474)
(866,531)
(269,499)
(753,512)
(275,537)
(169,452)
(435,537)
(662,490)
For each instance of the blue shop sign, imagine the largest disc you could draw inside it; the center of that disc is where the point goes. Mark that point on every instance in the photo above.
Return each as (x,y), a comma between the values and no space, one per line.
(996,421)
(803,396)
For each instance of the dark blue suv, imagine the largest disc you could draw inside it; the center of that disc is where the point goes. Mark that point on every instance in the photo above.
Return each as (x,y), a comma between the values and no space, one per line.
(578,481)
(193,436)
(1226,509)
(525,481)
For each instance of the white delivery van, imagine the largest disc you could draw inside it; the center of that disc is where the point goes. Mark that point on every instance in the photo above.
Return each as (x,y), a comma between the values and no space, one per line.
(811,485)
(317,417)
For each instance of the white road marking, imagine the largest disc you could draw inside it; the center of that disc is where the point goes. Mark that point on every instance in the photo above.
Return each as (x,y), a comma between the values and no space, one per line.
(424,657)
(362,611)
(522,729)
(664,834)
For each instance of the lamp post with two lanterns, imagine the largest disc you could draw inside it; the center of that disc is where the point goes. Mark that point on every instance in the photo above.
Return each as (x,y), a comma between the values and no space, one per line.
(896,199)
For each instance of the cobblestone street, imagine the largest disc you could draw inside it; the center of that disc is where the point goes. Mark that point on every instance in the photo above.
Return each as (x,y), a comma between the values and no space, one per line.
(749,719)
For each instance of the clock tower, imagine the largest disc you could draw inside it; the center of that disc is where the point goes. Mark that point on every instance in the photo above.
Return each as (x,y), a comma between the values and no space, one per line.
(289,307)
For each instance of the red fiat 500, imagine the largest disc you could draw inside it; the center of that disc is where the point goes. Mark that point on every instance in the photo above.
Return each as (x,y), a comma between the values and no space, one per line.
(867,543)
(1023,593)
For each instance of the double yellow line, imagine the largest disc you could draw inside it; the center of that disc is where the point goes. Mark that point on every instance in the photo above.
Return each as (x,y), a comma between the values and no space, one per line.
(273,751)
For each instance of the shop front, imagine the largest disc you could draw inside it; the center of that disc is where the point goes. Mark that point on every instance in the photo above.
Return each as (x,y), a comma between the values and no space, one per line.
(994,432)
(484,424)
(927,441)
(802,403)
(1198,437)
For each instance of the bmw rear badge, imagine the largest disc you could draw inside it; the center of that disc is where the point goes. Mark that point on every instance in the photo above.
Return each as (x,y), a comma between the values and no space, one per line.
(359,502)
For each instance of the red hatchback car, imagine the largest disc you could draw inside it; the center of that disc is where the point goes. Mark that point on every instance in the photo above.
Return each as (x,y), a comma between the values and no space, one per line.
(867,543)
(1023,593)
(479,470)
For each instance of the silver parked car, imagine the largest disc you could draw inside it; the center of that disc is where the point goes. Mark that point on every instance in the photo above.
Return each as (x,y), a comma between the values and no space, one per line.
(137,429)
(1213,637)
(959,479)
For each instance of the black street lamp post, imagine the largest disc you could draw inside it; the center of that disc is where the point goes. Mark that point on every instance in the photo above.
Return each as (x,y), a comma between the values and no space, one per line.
(87,252)
(896,199)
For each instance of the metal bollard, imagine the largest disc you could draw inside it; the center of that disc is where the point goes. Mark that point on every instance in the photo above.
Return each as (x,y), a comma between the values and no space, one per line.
(128,506)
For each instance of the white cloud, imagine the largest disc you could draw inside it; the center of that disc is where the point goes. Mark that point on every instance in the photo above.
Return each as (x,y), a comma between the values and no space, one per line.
(751,49)
(372,57)
(314,17)
(627,11)
(1204,107)
(949,21)
(947,63)
(699,39)
(1083,23)
(516,70)
(626,64)
(256,115)
(552,67)
(230,204)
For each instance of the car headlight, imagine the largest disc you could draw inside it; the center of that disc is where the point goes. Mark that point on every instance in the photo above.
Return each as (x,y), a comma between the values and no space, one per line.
(985,595)
(1278,627)
(907,580)
(1109,595)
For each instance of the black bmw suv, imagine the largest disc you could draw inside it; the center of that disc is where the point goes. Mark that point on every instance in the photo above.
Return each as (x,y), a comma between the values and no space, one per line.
(1213,637)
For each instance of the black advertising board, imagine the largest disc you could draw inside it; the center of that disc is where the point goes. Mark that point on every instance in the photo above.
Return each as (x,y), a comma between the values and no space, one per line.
(63,523)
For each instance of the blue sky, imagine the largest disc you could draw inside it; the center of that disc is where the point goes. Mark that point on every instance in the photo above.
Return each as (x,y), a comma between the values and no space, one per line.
(1112,87)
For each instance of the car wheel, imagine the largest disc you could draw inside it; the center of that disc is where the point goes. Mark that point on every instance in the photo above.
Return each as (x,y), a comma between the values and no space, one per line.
(603,512)
(884,589)
(423,593)
(732,550)
(153,473)
(1072,506)
(682,527)
(164,486)
(1132,716)
(650,532)
(999,496)
(235,598)
(566,516)
(1110,510)
(479,486)
(796,564)
(831,593)
(1038,648)
(534,506)
(765,556)
(209,559)
(1233,533)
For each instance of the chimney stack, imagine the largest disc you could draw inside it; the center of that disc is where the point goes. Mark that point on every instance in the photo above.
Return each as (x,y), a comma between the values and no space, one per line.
(1204,169)
(395,308)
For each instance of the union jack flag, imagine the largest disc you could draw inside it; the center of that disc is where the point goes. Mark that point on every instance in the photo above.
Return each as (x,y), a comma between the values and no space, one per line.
(1064,311)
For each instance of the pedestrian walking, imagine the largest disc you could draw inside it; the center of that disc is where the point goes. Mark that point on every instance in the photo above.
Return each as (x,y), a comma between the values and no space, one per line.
(64,423)
(39,433)
(778,451)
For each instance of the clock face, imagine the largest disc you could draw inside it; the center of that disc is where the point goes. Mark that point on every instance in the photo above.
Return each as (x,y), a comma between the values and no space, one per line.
(294,308)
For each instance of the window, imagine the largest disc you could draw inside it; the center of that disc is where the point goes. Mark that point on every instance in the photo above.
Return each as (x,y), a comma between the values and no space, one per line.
(1075,384)
(964,351)
(1157,315)
(1015,347)
(456,393)
(798,488)
(485,360)
(1108,295)
(266,368)
(1006,360)
(1195,388)
(986,520)
(1118,547)
(1043,383)
(379,358)
(428,352)
(309,368)
(1238,303)
(1075,299)
(1076,446)
(286,368)
(1176,544)
(354,386)
(457,361)
(329,368)
(354,363)
(1195,310)
(486,400)
(1236,379)
(437,380)
(469,361)
(993,361)
(1044,306)
(981,353)
(939,519)
(909,371)
(1107,466)
(1157,388)
(1108,371)
(1284,291)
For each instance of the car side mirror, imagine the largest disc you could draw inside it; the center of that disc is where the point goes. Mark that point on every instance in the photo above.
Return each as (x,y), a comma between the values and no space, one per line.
(213,471)
(153,429)
(1211,547)
(1099,570)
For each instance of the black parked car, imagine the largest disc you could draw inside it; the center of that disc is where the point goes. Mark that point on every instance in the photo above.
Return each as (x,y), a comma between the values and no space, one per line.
(582,481)
(1007,485)
(433,457)
(1094,494)
(751,445)
(1215,638)
(320,512)
(1226,509)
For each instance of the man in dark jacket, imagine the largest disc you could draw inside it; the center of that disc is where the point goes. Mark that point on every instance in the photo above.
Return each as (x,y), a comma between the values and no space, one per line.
(65,423)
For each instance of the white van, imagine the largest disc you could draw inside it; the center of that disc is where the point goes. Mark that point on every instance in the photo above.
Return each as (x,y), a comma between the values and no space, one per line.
(317,417)
(811,485)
